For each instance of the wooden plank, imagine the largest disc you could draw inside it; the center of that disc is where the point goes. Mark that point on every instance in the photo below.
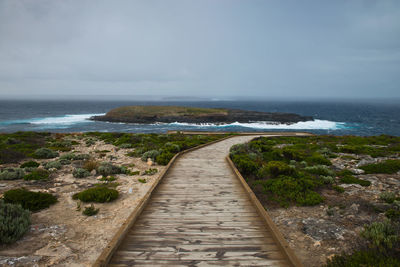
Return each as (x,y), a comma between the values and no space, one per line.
(243,256)
(193,263)
(294,261)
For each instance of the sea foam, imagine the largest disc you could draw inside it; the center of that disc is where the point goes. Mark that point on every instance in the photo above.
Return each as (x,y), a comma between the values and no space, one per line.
(302,125)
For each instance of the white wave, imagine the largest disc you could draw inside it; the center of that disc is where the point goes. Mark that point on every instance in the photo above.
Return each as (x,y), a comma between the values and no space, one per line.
(302,125)
(68,119)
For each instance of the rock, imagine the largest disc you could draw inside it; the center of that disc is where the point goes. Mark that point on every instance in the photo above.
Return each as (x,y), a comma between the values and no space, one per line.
(93,172)
(357,171)
(99,177)
(168,114)
(366,161)
(354,208)
(321,229)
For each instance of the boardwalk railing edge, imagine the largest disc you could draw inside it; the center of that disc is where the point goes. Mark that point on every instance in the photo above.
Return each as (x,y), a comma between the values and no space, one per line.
(108,251)
(276,234)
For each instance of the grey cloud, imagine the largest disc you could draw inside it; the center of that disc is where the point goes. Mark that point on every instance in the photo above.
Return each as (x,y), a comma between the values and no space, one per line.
(201,48)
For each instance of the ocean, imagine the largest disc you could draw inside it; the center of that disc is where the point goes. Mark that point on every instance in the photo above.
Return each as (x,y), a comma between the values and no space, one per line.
(330,117)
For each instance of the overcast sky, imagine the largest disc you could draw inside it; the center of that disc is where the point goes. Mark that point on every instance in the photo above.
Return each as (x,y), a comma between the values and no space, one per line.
(216,48)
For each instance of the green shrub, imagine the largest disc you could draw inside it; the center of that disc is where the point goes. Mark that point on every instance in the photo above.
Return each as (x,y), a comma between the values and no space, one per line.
(277,168)
(38,174)
(354,180)
(67,156)
(338,189)
(12,174)
(33,201)
(363,258)
(107,168)
(344,172)
(389,166)
(125,145)
(133,173)
(164,158)
(53,164)
(318,159)
(90,211)
(45,153)
(170,147)
(150,172)
(393,214)
(143,181)
(81,156)
(286,189)
(64,161)
(108,179)
(30,164)
(14,222)
(388,197)
(97,194)
(80,173)
(320,170)
(150,154)
(381,235)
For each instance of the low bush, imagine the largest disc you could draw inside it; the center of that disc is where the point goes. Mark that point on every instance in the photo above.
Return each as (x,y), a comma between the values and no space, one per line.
(81,157)
(90,165)
(99,194)
(318,159)
(14,222)
(367,258)
(275,169)
(33,201)
(45,153)
(170,147)
(80,173)
(245,165)
(143,181)
(30,164)
(38,174)
(107,168)
(319,170)
(150,172)
(90,211)
(286,190)
(388,197)
(53,164)
(12,174)
(108,179)
(393,214)
(349,179)
(389,166)
(164,158)
(150,154)
(381,235)
(338,188)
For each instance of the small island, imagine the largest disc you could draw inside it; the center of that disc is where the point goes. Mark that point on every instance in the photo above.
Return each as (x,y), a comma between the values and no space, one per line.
(169,114)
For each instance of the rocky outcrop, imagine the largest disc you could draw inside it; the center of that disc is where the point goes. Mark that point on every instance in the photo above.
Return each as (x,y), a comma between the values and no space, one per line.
(222,116)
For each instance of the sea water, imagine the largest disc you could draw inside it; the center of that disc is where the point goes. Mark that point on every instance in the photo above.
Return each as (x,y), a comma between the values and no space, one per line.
(330,117)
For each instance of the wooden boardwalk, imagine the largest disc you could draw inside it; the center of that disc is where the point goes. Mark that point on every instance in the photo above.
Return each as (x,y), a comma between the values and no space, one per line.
(200,215)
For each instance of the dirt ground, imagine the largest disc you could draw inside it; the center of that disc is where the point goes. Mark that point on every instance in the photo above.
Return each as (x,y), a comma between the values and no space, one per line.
(61,235)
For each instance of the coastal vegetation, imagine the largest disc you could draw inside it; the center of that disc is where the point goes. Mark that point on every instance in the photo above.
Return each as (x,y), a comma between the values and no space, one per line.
(161,148)
(14,222)
(306,171)
(33,201)
(99,194)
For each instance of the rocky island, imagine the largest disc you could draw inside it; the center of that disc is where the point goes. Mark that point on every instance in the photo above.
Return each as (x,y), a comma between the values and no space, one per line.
(168,114)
